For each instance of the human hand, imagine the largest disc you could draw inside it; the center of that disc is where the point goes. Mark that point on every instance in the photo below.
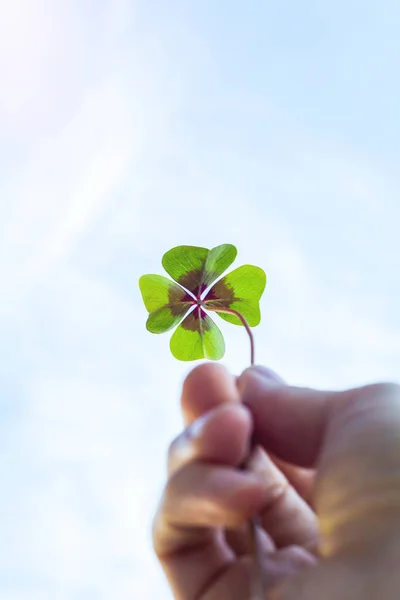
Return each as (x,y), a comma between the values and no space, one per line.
(351,439)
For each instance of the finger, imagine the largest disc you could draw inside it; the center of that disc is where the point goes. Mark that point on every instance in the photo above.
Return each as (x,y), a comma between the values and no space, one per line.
(207,386)
(301,479)
(347,578)
(199,501)
(203,495)
(286,517)
(222,435)
(235,581)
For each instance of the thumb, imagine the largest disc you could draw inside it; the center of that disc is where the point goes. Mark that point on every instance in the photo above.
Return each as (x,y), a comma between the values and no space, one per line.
(288,421)
(352,438)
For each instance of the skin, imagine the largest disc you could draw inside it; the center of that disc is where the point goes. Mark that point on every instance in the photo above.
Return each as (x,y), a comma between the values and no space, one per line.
(324,476)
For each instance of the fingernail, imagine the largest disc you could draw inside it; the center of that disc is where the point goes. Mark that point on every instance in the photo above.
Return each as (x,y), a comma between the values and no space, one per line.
(195,430)
(258,460)
(266,373)
(260,376)
(185,445)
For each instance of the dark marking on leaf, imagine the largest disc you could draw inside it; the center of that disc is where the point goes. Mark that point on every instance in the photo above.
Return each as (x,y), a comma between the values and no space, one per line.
(220,295)
(203,288)
(191,323)
(191,281)
(179,301)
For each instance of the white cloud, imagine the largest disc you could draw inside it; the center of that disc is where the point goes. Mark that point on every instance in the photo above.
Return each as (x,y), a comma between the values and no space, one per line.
(89,157)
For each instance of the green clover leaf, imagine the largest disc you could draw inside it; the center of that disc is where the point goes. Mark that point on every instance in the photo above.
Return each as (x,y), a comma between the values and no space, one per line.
(195,290)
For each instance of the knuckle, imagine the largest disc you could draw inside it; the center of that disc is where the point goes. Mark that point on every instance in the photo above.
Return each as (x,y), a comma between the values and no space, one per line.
(157,530)
(171,451)
(384,389)
(180,452)
(390,389)
(277,495)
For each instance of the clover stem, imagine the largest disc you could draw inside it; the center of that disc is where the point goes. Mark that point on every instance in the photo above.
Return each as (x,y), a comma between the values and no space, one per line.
(258,583)
(236,313)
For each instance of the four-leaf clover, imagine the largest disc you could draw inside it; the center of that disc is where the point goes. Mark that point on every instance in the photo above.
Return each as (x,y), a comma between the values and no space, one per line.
(195,290)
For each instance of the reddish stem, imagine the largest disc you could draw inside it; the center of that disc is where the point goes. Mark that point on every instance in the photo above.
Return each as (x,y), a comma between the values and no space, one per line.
(231,311)
(258,583)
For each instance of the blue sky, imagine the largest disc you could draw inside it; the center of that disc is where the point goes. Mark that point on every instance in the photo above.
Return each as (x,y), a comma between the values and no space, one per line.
(130,127)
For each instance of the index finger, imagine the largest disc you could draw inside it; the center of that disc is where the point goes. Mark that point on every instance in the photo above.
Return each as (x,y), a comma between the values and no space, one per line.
(209,385)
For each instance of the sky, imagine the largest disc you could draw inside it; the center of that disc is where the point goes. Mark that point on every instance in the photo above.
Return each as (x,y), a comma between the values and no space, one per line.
(128,127)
